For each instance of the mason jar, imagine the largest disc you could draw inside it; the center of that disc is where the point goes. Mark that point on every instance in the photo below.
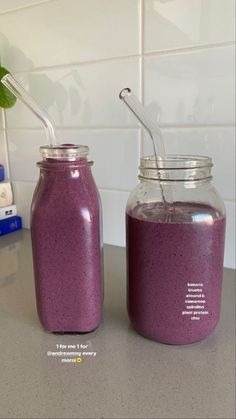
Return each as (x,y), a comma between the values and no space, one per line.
(67,241)
(175,231)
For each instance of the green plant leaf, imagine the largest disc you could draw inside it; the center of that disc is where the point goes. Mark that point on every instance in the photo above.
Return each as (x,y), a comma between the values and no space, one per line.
(7,99)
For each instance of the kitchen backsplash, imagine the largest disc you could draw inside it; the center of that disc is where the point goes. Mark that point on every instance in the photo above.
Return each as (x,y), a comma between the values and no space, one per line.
(74,56)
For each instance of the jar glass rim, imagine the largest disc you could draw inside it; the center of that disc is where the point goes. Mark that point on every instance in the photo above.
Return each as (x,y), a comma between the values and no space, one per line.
(175,162)
(64,151)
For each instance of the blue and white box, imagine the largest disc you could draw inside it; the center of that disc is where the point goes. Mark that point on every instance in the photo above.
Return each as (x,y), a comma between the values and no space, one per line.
(7,212)
(2,174)
(10,224)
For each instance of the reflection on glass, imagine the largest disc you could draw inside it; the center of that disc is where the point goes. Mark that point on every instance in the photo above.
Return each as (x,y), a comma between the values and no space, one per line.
(203,218)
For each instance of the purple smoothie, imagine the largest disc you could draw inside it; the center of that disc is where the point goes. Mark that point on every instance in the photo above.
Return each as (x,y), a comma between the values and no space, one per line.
(66,243)
(174,271)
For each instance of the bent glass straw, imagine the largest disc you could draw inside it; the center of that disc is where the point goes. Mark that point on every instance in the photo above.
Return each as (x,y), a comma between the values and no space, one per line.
(12,84)
(142,115)
(155,133)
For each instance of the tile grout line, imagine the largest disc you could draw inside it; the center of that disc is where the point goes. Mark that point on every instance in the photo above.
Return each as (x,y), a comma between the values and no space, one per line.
(79,128)
(78,63)
(122,128)
(141,27)
(27,6)
(5,135)
(142,49)
(193,48)
(162,53)
(4,121)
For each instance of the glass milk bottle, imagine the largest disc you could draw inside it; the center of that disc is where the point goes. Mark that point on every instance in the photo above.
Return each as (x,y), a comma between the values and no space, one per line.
(66,241)
(175,250)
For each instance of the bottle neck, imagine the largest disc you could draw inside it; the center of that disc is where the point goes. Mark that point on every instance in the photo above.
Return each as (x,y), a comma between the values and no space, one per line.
(64,152)
(175,168)
(64,157)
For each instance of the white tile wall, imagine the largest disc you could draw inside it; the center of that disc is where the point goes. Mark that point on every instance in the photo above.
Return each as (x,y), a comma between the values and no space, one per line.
(1,118)
(115,154)
(113,204)
(219,143)
(195,87)
(188,23)
(2,147)
(23,193)
(83,95)
(4,153)
(64,32)
(178,56)
(12,5)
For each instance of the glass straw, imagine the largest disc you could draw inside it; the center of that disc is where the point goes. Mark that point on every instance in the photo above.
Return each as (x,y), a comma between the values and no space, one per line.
(155,133)
(12,84)
(142,115)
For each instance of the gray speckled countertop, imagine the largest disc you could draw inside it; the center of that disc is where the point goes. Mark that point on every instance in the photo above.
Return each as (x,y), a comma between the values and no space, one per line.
(127,377)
